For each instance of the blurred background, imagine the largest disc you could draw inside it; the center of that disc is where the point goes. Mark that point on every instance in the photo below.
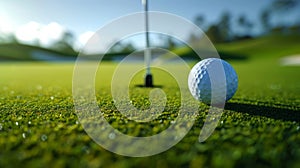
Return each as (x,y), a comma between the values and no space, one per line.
(57,30)
(40,41)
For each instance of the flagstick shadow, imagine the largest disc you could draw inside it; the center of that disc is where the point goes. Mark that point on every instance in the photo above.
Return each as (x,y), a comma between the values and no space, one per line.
(154,86)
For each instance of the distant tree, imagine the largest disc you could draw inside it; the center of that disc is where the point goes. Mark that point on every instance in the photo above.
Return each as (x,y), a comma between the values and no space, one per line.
(2,38)
(122,47)
(12,38)
(224,27)
(170,43)
(8,38)
(166,41)
(214,34)
(277,8)
(65,44)
(284,5)
(68,38)
(245,24)
(128,48)
(265,17)
(193,38)
(221,32)
(294,29)
(199,21)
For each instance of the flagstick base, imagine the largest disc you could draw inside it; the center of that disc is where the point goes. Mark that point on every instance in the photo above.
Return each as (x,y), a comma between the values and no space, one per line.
(148,80)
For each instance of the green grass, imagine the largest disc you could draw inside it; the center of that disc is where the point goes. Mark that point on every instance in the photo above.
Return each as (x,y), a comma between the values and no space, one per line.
(259,127)
(263,47)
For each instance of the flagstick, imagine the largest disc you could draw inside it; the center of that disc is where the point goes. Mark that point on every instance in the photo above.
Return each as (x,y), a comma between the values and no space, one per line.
(147,52)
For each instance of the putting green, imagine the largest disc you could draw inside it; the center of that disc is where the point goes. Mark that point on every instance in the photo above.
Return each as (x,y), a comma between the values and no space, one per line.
(38,124)
(260,125)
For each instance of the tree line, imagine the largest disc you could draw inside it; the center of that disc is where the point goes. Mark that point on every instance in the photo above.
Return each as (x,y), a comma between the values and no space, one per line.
(225,29)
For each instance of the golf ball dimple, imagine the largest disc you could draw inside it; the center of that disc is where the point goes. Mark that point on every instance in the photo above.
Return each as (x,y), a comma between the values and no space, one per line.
(200,83)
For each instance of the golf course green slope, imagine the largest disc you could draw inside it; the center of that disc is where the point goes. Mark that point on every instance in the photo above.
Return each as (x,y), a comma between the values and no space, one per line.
(265,46)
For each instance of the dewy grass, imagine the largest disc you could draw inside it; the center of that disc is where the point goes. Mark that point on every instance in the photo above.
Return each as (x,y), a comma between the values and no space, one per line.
(259,127)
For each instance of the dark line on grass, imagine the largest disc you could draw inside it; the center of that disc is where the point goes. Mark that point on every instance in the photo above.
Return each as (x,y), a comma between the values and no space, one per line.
(271,112)
(154,86)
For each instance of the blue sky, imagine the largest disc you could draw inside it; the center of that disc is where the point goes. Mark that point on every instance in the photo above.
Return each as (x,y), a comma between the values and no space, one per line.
(83,15)
(87,16)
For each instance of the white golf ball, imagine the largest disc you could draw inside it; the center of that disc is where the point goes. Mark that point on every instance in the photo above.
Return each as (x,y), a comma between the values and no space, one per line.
(213,78)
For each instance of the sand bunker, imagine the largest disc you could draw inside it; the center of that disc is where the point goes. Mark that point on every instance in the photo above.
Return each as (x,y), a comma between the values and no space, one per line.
(292,60)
